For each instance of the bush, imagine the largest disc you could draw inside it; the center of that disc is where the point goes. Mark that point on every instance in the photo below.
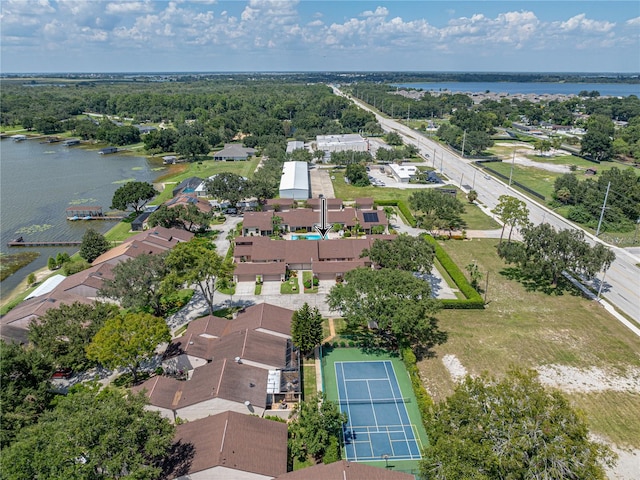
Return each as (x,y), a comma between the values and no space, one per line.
(308,284)
(70,268)
(316,282)
(402,206)
(332,453)
(425,402)
(31,279)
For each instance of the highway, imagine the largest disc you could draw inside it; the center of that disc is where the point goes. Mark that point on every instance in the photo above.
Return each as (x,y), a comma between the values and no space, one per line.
(622,281)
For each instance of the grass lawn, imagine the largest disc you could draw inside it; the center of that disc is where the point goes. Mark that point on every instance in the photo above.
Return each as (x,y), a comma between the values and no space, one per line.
(476,218)
(204,169)
(307,275)
(530,329)
(120,232)
(539,180)
(309,385)
(290,286)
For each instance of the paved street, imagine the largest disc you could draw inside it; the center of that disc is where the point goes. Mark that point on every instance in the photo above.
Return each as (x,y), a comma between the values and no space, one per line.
(622,281)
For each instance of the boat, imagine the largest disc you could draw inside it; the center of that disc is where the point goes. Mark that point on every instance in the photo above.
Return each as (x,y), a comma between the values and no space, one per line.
(74,218)
(19,138)
(88,217)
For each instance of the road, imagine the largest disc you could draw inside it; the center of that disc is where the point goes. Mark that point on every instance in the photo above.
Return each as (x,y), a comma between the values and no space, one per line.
(622,281)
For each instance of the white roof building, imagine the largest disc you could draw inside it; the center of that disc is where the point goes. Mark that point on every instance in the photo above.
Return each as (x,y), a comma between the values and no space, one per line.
(294,145)
(295,181)
(403,173)
(342,143)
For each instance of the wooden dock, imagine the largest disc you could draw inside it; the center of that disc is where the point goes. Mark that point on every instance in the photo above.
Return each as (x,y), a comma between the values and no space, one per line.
(19,242)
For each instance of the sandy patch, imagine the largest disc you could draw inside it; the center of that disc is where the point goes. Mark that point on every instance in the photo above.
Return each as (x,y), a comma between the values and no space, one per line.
(593,379)
(455,368)
(627,465)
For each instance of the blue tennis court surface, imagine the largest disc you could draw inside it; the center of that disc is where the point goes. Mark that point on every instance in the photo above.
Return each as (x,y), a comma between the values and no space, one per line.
(379,425)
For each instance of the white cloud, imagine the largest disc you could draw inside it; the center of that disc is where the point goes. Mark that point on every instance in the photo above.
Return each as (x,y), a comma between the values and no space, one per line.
(633,22)
(379,12)
(581,22)
(128,7)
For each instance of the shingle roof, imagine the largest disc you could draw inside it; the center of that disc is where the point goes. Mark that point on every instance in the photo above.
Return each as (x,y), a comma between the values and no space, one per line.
(223,379)
(253,346)
(235,441)
(344,470)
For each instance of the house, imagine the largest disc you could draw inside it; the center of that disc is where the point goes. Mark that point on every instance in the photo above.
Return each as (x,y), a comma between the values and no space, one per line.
(188,185)
(344,470)
(186,199)
(88,282)
(279,204)
(14,325)
(216,387)
(364,203)
(231,446)
(403,173)
(295,180)
(107,150)
(332,203)
(144,129)
(233,152)
(155,240)
(140,221)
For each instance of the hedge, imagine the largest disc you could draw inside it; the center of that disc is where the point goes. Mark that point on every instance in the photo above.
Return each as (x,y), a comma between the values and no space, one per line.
(404,210)
(473,299)
(425,402)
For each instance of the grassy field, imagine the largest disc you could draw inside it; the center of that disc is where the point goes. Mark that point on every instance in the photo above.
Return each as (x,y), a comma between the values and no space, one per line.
(290,287)
(530,329)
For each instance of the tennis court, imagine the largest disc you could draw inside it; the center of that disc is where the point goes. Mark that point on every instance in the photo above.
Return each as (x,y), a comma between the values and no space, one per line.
(379,425)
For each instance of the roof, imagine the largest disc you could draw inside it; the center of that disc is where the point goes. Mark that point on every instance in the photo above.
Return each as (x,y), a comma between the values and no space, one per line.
(294,145)
(152,241)
(332,203)
(325,140)
(252,346)
(234,150)
(284,203)
(91,277)
(295,176)
(191,182)
(224,379)
(185,199)
(403,171)
(14,324)
(45,287)
(344,470)
(364,202)
(236,441)
(264,316)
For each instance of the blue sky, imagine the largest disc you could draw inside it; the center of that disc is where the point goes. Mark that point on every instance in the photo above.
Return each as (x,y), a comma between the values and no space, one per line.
(299,35)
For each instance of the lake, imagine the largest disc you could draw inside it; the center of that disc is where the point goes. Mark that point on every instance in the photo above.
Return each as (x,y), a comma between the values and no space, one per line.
(605,89)
(39,181)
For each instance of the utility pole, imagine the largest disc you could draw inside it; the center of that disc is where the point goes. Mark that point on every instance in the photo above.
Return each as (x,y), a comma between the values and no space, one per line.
(513,160)
(464,138)
(604,205)
(473,183)
(408,111)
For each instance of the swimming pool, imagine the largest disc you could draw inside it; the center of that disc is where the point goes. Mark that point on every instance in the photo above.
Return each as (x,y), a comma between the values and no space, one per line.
(312,236)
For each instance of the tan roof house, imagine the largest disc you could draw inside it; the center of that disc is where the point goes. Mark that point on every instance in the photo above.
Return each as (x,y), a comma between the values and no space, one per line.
(344,470)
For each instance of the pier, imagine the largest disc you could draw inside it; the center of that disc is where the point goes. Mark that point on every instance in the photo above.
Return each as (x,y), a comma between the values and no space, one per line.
(89,213)
(19,242)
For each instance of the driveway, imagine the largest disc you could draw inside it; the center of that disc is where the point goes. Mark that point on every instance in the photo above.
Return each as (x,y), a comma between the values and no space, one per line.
(245,288)
(321,183)
(270,288)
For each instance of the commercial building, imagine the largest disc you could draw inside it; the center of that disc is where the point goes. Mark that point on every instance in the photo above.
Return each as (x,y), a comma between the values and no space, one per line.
(295,181)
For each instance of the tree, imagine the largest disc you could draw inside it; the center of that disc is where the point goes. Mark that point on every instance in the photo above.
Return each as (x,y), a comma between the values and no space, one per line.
(228,186)
(26,390)
(133,194)
(472,196)
(313,425)
(511,211)
(306,328)
(92,434)
(474,274)
(513,428)
(545,253)
(187,217)
(31,279)
(598,141)
(196,263)
(440,210)
(136,282)
(192,146)
(397,305)
(93,245)
(63,333)
(127,340)
(51,263)
(356,173)
(393,138)
(411,254)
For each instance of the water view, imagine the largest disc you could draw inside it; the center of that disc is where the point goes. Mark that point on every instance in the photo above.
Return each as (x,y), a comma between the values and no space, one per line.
(605,89)
(39,181)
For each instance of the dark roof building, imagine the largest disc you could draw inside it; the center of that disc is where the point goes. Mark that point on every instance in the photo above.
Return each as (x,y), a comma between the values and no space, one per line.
(233,446)
(188,185)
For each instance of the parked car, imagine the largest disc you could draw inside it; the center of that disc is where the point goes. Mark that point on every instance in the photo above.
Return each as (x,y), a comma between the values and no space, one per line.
(62,373)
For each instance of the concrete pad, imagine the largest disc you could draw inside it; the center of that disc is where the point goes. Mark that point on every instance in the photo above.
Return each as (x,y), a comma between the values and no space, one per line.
(325,285)
(271,288)
(245,288)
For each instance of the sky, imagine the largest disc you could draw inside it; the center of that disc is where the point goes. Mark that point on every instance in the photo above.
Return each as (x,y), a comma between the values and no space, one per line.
(51,36)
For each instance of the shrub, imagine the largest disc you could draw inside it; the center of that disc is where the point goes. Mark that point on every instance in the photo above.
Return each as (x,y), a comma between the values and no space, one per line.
(308,284)
(70,268)
(343,344)
(332,453)
(352,343)
(31,279)
(425,402)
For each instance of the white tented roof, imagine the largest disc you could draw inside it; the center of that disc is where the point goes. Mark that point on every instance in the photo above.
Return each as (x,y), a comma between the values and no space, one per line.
(295,177)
